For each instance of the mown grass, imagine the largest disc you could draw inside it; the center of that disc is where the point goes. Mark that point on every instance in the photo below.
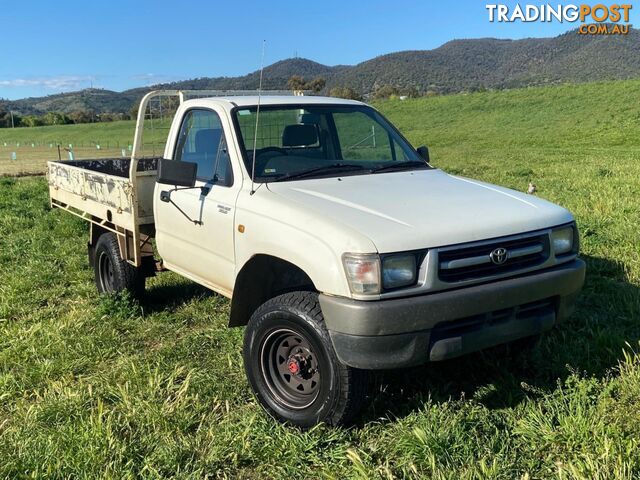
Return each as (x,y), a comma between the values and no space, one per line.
(108,387)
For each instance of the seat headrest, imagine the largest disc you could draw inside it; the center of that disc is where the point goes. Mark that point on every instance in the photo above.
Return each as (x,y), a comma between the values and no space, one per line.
(309,118)
(207,140)
(299,135)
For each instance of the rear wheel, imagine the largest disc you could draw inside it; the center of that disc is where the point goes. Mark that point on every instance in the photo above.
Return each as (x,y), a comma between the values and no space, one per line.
(112,273)
(292,366)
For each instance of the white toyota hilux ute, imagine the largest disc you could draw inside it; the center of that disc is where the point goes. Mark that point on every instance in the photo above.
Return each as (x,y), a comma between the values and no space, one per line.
(341,248)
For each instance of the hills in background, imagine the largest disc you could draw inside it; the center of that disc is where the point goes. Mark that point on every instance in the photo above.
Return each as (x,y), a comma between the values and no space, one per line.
(456,66)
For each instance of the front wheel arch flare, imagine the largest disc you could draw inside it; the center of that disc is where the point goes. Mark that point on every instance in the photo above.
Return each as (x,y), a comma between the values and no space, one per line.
(260,279)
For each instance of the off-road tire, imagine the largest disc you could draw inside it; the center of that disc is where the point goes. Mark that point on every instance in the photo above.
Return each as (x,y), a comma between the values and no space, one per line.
(296,319)
(112,273)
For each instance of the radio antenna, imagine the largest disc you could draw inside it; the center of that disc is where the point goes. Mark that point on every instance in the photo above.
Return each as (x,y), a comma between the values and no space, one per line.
(255,133)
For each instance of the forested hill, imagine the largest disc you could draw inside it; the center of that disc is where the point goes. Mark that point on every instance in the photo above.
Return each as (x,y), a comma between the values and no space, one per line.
(459,65)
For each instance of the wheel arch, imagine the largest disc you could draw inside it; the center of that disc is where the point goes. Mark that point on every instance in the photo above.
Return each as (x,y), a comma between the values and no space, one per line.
(261,278)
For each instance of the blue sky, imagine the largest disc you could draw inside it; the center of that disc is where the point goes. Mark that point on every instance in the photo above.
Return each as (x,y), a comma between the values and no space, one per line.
(53,46)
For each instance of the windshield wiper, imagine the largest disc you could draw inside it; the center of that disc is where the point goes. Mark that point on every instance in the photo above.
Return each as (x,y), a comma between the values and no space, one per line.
(400,166)
(320,170)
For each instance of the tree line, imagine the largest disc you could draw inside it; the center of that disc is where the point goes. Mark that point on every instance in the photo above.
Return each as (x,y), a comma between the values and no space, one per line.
(167,107)
(12,119)
(318,84)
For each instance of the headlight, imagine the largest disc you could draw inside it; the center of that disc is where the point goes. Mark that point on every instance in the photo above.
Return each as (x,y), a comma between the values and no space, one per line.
(562,240)
(363,272)
(398,271)
(367,274)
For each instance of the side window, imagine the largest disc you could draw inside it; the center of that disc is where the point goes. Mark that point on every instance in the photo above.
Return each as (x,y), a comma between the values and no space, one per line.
(202,141)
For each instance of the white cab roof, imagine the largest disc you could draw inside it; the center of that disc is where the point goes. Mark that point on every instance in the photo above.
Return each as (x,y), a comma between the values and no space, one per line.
(248,101)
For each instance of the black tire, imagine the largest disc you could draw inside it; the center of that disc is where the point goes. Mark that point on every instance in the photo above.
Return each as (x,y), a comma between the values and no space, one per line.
(287,336)
(112,274)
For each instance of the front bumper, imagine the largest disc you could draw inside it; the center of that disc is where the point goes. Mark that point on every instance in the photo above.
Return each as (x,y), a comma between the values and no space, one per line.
(413,330)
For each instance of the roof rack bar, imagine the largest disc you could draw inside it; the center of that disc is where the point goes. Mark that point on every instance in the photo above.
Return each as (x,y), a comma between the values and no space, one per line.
(239,93)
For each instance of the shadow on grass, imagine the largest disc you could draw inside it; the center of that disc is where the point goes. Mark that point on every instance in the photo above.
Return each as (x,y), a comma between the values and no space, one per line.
(170,297)
(590,342)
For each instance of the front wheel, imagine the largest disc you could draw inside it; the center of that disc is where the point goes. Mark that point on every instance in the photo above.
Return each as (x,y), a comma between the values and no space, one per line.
(112,273)
(292,366)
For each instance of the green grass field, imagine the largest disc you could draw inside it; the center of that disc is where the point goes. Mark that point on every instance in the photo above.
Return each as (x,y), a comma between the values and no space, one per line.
(35,146)
(107,387)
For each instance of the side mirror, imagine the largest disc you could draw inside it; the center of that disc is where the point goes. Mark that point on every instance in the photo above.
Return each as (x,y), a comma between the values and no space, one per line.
(423,152)
(177,173)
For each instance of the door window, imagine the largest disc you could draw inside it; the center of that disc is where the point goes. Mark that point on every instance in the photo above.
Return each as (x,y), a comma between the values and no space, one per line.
(202,141)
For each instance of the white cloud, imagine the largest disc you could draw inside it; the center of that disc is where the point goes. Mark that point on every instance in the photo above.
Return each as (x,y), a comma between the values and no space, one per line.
(60,83)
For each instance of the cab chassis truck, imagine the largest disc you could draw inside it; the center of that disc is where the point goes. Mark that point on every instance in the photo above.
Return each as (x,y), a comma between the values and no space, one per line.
(341,248)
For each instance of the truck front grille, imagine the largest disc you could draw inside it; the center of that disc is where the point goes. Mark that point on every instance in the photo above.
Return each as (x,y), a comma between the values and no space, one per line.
(474,261)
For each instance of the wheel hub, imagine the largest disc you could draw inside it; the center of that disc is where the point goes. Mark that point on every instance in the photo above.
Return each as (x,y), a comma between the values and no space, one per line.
(294,366)
(290,368)
(299,364)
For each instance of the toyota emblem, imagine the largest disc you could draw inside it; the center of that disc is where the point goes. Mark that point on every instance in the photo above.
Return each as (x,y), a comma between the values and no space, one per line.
(499,256)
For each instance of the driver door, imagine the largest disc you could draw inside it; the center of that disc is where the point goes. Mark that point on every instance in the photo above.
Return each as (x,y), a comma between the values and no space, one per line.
(195,237)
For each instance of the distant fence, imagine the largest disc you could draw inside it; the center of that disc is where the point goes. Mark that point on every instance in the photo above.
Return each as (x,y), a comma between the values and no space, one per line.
(93,143)
(37,153)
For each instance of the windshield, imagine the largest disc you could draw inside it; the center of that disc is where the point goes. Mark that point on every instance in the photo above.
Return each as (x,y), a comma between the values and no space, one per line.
(308,141)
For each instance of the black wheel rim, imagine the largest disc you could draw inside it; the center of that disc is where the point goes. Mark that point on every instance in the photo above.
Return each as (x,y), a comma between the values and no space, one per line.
(289,367)
(105,272)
